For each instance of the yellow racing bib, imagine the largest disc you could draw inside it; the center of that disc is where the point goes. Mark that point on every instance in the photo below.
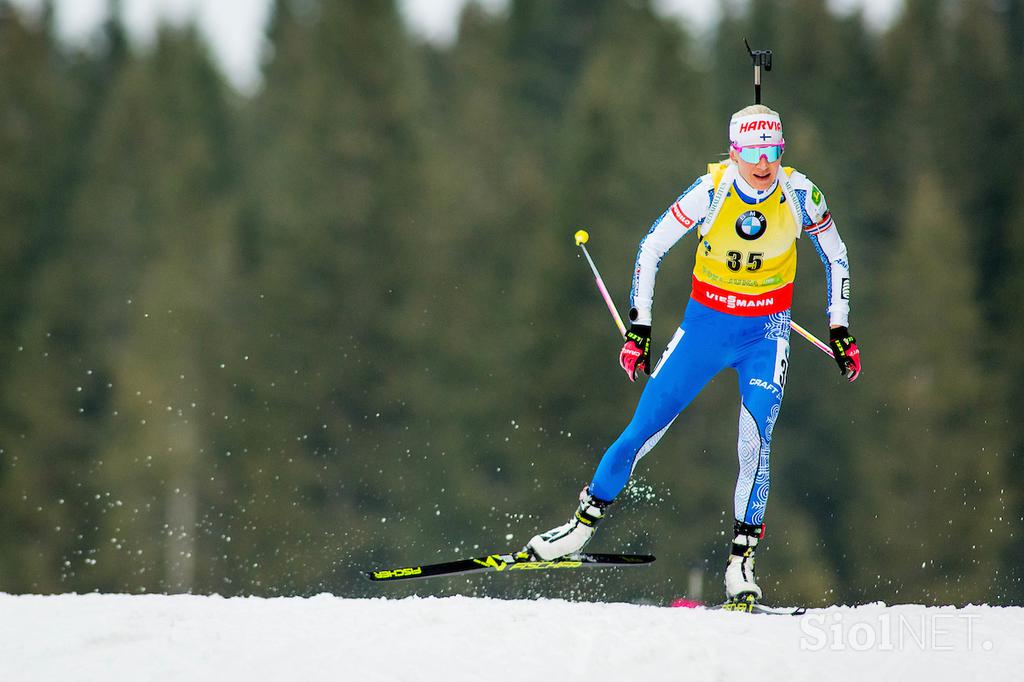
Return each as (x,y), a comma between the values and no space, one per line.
(746,259)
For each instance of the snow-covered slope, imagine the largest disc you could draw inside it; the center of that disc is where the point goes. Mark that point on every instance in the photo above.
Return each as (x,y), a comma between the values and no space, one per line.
(156,638)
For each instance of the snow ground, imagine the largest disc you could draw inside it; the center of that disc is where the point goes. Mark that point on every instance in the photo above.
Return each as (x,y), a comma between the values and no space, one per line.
(157,638)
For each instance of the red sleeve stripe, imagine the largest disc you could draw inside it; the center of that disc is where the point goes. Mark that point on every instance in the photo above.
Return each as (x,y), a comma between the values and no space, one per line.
(825,224)
(683,219)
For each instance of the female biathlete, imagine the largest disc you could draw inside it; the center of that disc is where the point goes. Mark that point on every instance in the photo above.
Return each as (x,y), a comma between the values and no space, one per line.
(748,212)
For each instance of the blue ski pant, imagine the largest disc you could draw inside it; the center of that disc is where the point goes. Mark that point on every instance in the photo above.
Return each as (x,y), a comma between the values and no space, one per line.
(707,342)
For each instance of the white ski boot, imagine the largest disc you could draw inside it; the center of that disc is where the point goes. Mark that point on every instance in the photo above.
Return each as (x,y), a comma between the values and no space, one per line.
(570,537)
(740,584)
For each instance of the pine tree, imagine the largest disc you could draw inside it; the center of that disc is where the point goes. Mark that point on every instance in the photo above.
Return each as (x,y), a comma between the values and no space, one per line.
(985,111)
(39,106)
(333,176)
(928,518)
(126,326)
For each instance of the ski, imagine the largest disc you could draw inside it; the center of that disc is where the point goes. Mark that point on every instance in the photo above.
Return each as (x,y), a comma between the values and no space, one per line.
(762,609)
(500,563)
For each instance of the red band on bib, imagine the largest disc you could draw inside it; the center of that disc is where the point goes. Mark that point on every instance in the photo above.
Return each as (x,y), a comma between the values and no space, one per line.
(746,305)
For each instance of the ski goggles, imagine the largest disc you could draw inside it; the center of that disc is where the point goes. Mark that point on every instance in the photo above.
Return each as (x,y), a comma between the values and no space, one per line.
(753,153)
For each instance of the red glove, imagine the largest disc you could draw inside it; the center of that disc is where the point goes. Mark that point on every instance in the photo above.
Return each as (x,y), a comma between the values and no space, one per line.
(844,348)
(636,352)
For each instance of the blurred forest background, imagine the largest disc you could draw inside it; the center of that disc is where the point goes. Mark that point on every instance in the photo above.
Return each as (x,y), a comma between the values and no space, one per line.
(257,344)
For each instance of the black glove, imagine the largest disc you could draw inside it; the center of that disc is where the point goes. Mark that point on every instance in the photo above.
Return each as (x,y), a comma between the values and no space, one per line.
(844,349)
(636,352)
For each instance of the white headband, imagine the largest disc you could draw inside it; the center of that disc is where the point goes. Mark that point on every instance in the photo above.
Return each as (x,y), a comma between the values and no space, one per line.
(755,129)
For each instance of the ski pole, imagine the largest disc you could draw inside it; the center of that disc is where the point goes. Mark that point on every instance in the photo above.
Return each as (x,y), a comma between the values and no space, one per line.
(812,338)
(581,240)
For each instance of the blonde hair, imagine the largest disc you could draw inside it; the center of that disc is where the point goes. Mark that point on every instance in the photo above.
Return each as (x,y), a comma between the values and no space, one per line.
(756,109)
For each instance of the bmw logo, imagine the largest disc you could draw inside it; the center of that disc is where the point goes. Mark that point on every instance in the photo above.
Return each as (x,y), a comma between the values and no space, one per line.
(751,225)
